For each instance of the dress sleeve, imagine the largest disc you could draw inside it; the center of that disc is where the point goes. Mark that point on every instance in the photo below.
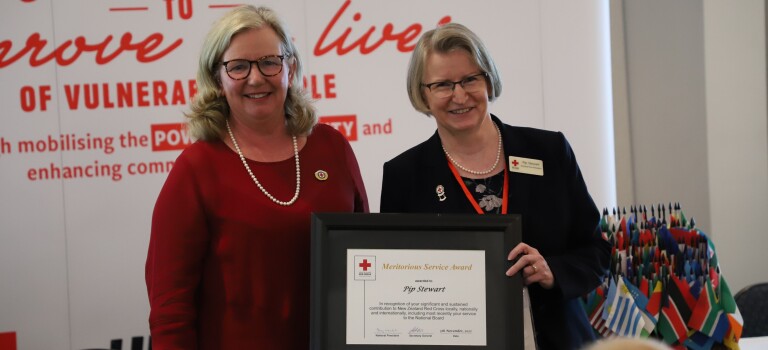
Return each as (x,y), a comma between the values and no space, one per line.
(361,197)
(177,245)
(585,263)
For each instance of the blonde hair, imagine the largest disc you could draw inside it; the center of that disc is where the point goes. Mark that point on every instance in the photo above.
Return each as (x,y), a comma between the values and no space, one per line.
(209,109)
(444,39)
(628,344)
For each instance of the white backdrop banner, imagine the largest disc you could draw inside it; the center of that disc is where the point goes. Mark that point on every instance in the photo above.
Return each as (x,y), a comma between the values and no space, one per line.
(92,96)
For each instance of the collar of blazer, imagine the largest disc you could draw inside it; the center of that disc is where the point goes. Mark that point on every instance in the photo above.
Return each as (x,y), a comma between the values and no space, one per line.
(519,187)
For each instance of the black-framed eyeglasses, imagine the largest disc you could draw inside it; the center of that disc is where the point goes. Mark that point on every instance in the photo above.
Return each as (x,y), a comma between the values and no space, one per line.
(269,66)
(444,89)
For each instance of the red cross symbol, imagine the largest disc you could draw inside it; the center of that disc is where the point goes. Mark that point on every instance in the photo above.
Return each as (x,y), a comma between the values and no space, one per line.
(365,264)
(515,163)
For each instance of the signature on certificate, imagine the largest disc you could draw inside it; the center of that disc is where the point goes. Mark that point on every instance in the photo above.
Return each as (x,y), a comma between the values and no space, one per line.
(387,332)
(419,332)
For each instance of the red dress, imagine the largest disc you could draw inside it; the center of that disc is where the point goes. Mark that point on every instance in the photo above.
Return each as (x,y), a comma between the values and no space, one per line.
(227,268)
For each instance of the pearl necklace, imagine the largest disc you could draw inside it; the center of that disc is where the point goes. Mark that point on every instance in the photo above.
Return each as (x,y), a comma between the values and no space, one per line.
(483,172)
(258,184)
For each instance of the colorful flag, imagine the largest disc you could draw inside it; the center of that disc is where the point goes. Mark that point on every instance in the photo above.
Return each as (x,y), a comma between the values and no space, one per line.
(624,317)
(685,294)
(654,302)
(678,297)
(671,326)
(731,341)
(674,316)
(649,321)
(610,299)
(644,287)
(721,328)
(735,321)
(594,299)
(707,312)
(597,320)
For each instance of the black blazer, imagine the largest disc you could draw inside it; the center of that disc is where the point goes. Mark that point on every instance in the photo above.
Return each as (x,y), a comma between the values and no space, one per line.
(559,219)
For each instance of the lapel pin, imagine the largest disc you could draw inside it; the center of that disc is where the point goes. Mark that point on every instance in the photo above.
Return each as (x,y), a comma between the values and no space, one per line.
(440,190)
(321,175)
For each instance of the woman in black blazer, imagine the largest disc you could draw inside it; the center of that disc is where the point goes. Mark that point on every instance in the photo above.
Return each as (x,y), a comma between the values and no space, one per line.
(475,163)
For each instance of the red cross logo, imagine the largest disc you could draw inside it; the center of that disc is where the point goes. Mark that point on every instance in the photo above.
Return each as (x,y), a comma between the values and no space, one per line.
(515,163)
(365,264)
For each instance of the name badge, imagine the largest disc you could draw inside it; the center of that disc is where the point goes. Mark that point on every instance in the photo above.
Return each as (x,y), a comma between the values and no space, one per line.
(526,165)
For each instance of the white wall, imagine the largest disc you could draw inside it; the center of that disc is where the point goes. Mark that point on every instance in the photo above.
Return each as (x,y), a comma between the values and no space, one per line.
(577,91)
(665,71)
(735,57)
(690,109)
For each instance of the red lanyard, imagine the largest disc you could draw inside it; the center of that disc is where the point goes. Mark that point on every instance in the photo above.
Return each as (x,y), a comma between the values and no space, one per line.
(469,195)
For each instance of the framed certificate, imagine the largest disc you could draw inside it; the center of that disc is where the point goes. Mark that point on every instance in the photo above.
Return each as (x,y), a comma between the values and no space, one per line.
(415,281)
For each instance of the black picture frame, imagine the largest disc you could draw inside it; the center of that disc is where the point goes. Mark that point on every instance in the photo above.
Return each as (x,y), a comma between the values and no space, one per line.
(334,233)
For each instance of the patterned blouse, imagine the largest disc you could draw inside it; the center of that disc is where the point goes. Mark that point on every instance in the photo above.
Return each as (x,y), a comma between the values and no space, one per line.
(488,192)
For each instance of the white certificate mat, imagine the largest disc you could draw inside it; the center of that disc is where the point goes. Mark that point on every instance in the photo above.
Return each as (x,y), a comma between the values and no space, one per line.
(416,297)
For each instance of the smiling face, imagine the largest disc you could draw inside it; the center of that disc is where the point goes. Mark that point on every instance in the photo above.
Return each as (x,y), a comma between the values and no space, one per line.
(256,98)
(462,112)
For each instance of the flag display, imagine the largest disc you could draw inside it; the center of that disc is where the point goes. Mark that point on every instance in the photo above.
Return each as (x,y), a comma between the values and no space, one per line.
(664,282)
